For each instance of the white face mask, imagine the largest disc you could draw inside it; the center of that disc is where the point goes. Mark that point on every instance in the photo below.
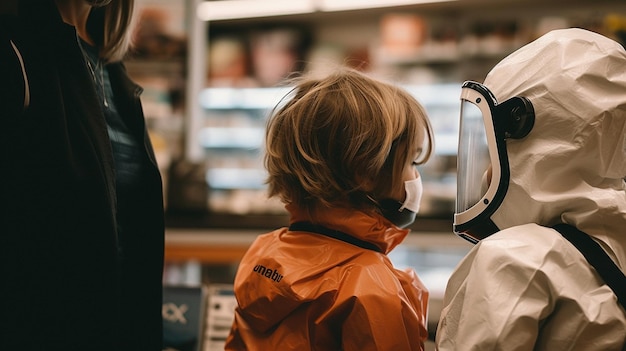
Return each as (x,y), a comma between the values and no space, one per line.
(414,189)
(403,215)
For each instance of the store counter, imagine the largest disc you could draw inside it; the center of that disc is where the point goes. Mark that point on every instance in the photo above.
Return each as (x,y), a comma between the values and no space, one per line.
(190,253)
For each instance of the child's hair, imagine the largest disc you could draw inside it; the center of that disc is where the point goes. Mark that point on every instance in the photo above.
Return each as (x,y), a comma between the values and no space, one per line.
(343,140)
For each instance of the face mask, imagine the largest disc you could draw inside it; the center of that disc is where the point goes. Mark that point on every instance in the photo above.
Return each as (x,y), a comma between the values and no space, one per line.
(482,163)
(403,214)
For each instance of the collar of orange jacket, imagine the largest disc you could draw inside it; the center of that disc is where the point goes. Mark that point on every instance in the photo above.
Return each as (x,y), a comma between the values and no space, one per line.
(367,226)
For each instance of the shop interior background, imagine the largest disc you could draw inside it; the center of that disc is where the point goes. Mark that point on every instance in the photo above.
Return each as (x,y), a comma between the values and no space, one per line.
(212,71)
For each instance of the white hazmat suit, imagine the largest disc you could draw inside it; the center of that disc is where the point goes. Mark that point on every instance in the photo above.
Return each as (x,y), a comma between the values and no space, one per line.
(526,287)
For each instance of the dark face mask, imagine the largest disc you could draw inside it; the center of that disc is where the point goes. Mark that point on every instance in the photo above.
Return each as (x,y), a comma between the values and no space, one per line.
(390,210)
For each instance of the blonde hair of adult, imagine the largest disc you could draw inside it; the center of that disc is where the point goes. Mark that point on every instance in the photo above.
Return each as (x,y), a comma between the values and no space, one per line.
(343,140)
(116,33)
(118,19)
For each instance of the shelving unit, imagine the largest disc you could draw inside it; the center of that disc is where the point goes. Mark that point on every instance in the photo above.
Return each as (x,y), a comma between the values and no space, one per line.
(462,40)
(230,138)
(458,40)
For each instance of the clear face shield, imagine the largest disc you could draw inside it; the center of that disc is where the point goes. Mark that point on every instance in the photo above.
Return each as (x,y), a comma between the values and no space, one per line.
(482,163)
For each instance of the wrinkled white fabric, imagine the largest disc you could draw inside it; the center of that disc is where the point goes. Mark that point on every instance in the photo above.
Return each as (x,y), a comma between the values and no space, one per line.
(526,287)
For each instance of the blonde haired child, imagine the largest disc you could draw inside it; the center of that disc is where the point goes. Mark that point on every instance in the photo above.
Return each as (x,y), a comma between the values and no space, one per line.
(340,153)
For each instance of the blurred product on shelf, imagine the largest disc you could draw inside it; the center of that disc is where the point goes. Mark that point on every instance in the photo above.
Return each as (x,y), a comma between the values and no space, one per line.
(263,57)
(550,23)
(153,36)
(187,188)
(616,25)
(402,34)
(227,63)
(276,54)
(323,56)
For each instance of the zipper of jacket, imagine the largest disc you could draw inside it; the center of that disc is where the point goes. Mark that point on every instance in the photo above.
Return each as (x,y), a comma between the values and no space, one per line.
(109,185)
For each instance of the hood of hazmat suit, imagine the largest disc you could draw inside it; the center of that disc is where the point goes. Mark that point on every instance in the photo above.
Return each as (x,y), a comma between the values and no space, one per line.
(300,290)
(526,287)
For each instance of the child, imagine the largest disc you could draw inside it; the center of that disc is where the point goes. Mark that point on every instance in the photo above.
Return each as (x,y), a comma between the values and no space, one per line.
(340,153)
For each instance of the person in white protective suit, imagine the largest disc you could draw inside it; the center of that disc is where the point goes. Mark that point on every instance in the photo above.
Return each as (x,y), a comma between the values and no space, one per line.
(542,142)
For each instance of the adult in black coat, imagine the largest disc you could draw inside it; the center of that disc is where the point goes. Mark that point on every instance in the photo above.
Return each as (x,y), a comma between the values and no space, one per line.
(81,218)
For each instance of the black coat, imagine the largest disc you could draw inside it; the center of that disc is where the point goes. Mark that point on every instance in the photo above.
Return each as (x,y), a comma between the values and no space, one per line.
(67,281)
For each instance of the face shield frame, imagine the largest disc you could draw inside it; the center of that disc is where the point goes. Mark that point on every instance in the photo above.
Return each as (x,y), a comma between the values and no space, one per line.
(513,118)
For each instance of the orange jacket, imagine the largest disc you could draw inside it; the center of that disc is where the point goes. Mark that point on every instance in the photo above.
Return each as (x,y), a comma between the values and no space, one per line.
(303,291)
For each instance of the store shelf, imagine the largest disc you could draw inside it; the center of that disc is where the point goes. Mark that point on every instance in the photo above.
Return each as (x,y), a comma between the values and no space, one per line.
(232,130)
(237,9)
(235,178)
(241,98)
(448,42)
(231,138)
(433,255)
(209,246)
(225,10)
